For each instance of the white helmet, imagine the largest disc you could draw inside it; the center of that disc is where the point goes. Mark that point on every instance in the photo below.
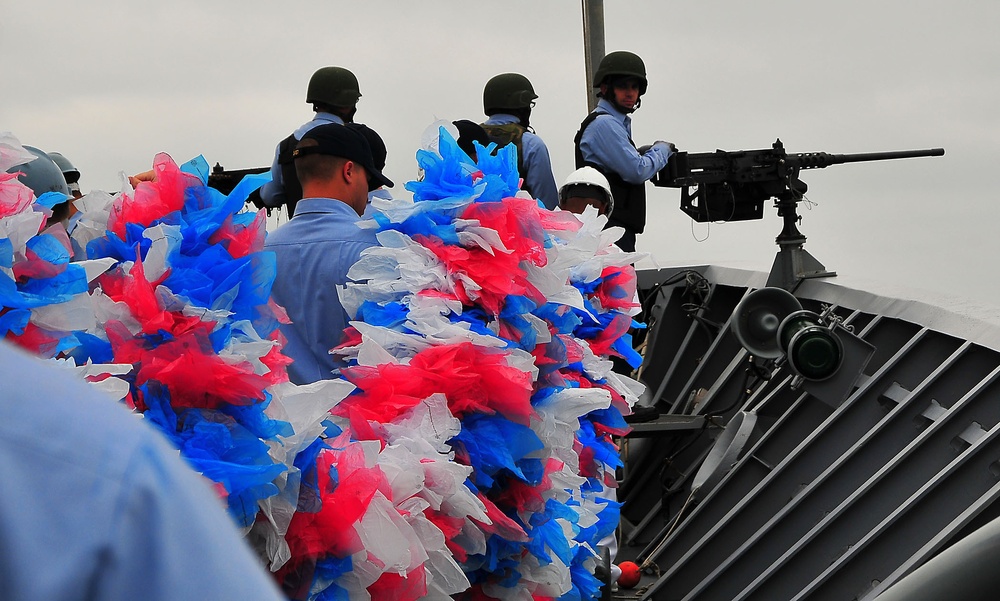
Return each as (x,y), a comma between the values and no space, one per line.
(587,176)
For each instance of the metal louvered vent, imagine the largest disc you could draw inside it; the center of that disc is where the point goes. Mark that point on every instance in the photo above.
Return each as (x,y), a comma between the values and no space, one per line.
(749,486)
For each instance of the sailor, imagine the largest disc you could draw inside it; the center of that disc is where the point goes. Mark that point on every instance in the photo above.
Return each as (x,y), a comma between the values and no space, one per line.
(79,507)
(605,142)
(70,173)
(507,101)
(586,187)
(315,249)
(72,176)
(333,93)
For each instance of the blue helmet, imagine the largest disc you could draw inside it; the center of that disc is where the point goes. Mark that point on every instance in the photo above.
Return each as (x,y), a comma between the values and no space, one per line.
(42,174)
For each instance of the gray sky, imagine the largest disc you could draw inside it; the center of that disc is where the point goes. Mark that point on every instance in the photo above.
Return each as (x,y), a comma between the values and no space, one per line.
(109,83)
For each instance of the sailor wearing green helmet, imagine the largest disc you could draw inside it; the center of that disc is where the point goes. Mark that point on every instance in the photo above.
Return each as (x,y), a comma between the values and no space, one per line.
(333,93)
(507,100)
(605,142)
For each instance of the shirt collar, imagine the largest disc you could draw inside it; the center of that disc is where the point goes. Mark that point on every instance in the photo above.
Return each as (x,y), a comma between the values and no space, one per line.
(502,119)
(328,118)
(323,205)
(610,109)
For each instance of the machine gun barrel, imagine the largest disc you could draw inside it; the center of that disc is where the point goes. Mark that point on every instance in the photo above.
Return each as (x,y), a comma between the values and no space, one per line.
(818,160)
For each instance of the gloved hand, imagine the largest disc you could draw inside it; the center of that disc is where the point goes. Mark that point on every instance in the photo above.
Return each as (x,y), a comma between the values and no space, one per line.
(667,147)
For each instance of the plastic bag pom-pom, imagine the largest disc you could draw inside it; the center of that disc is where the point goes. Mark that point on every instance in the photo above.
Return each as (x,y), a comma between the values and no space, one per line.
(446,173)
(152,201)
(464,451)
(494,446)
(473,379)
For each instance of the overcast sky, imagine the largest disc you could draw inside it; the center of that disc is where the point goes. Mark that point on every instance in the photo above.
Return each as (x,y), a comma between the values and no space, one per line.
(109,83)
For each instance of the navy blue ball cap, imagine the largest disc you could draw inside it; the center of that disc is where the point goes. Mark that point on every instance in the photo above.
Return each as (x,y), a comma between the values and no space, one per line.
(345,142)
(375,142)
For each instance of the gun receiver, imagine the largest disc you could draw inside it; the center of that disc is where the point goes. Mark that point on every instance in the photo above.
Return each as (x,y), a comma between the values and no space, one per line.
(733,186)
(224,180)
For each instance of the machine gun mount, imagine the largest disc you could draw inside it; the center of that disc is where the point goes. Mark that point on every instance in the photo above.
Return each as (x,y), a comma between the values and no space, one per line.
(733,186)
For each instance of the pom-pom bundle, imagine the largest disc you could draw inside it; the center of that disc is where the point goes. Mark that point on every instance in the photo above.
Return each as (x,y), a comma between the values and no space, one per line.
(463,452)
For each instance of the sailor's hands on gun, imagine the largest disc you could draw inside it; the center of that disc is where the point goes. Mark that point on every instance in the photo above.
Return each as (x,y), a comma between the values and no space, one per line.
(667,147)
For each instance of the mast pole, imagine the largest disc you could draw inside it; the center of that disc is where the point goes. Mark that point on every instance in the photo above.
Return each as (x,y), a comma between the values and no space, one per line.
(593,44)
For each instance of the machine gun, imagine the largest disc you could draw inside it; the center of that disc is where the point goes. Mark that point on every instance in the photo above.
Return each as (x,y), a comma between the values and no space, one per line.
(225,180)
(733,186)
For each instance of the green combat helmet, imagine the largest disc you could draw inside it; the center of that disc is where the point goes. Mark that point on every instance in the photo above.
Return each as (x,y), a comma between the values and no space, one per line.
(333,86)
(507,91)
(621,64)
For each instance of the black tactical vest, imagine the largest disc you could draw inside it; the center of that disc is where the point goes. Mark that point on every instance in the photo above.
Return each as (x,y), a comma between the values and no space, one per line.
(292,187)
(630,199)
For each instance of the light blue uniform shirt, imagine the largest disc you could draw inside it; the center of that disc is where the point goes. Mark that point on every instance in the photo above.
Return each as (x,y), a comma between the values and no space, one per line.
(605,142)
(314,250)
(273,192)
(96,504)
(537,165)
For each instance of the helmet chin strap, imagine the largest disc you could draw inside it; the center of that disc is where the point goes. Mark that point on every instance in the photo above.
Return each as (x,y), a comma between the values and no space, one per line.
(524,118)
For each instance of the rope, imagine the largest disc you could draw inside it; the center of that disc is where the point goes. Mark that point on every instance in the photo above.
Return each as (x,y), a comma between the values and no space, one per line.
(648,565)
